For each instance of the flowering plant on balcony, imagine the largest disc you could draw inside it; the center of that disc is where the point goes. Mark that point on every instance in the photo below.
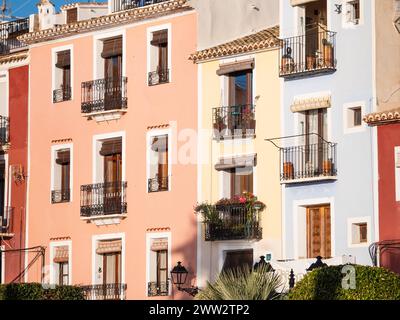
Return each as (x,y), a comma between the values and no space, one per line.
(246,198)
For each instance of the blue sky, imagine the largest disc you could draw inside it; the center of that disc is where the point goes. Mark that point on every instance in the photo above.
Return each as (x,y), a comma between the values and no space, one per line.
(23,8)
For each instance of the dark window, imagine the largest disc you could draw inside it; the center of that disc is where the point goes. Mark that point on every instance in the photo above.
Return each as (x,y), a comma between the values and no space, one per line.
(160,72)
(357,118)
(240,88)
(63,274)
(363,232)
(241,180)
(238,259)
(72,15)
(63,74)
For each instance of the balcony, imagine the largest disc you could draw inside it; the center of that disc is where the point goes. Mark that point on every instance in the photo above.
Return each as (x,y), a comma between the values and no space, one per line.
(307,163)
(4,133)
(104,99)
(308,55)
(235,222)
(121,5)
(60,196)
(154,290)
(158,77)
(110,291)
(234,122)
(62,94)
(104,203)
(158,184)
(9,31)
(6,223)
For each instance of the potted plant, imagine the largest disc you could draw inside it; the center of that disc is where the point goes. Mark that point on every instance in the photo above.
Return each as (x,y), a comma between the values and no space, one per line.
(327,167)
(328,53)
(288,170)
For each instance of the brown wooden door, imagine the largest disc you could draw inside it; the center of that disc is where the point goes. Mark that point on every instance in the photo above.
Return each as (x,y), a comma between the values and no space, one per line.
(113,82)
(112,183)
(319,231)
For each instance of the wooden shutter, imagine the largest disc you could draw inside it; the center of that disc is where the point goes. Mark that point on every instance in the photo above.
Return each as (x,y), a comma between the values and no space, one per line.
(159,244)
(109,246)
(112,47)
(63,59)
(63,157)
(160,38)
(110,147)
(72,15)
(61,254)
(65,177)
(228,68)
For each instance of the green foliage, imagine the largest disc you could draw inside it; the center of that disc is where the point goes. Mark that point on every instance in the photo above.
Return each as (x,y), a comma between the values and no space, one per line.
(243,284)
(35,291)
(372,283)
(209,213)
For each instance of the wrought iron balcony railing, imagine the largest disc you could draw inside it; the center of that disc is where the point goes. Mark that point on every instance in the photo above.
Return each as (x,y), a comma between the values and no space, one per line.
(309,54)
(109,291)
(308,161)
(158,77)
(155,289)
(59,196)
(62,94)
(6,220)
(234,121)
(236,222)
(104,95)
(100,199)
(158,184)
(4,130)
(9,31)
(121,5)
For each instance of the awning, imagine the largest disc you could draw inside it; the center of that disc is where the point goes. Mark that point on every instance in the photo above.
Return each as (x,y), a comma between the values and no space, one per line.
(159,38)
(237,162)
(63,157)
(301,2)
(110,147)
(159,244)
(61,254)
(160,143)
(112,47)
(235,67)
(312,103)
(109,246)
(63,59)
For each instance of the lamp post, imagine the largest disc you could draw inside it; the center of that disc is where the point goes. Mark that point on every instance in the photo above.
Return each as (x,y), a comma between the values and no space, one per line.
(179,276)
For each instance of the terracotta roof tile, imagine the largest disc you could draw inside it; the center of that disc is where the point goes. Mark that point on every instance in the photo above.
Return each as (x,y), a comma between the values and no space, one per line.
(383,117)
(264,39)
(14,57)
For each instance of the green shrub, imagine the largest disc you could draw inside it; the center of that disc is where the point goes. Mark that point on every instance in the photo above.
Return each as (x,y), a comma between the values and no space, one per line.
(35,291)
(372,283)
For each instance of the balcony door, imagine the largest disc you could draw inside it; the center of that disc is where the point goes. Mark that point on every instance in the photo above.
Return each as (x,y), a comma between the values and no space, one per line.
(241,180)
(2,195)
(318,231)
(111,275)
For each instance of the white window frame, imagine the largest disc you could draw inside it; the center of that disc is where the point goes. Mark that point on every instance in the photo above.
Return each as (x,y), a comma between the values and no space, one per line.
(397,173)
(4,78)
(150,30)
(95,156)
(346,109)
(54,149)
(350,24)
(150,236)
(358,220)
(299,207)
(110,236)
(54,52)
(151,134)
(97,49)
(53,246)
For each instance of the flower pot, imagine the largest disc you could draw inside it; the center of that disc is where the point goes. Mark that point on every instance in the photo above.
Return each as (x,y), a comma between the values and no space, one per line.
(328,56)
(287,65)
(327,167)
(288,171)
(310,62)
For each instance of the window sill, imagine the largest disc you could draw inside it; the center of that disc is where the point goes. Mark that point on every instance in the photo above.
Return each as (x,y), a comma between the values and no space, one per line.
(108,115)
(310,180)
(103,220)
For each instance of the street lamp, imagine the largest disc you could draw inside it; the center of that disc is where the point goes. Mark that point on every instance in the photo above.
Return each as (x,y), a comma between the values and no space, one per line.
(179,276)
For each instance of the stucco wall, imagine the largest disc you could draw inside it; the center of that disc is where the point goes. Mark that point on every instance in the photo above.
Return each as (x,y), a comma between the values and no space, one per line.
(225,20)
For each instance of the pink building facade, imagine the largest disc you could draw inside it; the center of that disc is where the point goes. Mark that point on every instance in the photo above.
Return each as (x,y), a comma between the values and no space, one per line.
(109,199)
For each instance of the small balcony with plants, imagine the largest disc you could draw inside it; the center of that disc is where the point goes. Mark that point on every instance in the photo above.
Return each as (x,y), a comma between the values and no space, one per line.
(234,122)
(121,5)
(238,218)
(9,33)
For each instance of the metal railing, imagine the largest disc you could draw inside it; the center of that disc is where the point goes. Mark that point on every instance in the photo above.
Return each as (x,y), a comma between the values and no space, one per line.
(6,220)
(155,289)
(308,161)
(4,130)
(104,94)
(312,53)
(109,291)
(9,31)
(103,199)
(236,222)
(62,94)
(60,196)
(234,121)
(121,5)
(158,77)
(158,184)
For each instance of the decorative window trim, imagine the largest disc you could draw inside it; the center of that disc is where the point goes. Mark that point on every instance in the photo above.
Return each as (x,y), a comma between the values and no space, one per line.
(346,108)
(149,237)
(153,133)
(149,31)
(356,220)
(53,247)
(54,149)
(54,52)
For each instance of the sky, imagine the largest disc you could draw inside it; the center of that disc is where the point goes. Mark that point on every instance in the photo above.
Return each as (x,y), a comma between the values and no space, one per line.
(23,8)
